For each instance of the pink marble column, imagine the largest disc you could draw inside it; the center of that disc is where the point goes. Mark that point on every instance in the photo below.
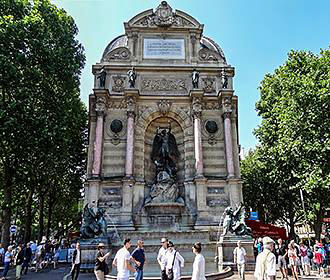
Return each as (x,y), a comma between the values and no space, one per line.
(229,144)
(129,145)
(198,145)
(98,145)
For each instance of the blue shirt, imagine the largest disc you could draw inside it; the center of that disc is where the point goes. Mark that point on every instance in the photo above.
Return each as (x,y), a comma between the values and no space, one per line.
(138,255)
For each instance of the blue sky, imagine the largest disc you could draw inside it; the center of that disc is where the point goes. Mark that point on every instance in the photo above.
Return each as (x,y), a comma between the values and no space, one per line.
(255,35)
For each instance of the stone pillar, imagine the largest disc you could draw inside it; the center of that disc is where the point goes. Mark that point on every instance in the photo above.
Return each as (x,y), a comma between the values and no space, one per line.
(98,140)
(197,114)
(129,145)
(228,136)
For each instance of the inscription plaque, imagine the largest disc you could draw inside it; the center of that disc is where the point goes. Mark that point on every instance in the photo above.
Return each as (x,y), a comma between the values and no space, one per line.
(164,48)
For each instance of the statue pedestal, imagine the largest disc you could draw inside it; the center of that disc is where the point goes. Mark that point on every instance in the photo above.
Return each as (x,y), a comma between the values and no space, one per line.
(226,246)
(89,250)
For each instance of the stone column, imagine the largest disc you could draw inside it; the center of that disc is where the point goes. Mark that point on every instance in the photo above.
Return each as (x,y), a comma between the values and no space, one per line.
(129,145)
(97,155)
(197,114)
(228,136)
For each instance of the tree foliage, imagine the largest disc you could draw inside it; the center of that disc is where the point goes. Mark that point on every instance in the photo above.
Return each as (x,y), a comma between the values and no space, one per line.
(294,132)
(43,121)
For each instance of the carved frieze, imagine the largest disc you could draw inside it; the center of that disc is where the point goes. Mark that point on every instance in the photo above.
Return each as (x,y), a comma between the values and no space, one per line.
(120,53)
(208,84)
(118,83)
(118,105)
(215,190)
(211,105)
(163,84)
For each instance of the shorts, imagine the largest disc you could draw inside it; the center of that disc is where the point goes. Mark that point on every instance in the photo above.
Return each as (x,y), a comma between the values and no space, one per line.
(305,260)
(282,262)
(292,262)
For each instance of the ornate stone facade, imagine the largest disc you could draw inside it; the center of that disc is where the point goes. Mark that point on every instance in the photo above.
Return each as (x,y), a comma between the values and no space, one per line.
(165,46)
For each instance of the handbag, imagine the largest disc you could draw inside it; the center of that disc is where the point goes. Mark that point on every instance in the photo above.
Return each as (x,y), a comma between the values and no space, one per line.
(170,274)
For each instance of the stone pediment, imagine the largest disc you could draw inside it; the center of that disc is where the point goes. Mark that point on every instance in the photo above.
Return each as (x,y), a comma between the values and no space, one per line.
(164,17)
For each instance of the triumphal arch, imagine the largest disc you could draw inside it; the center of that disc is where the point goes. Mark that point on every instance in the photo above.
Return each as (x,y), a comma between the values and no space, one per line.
(163,137)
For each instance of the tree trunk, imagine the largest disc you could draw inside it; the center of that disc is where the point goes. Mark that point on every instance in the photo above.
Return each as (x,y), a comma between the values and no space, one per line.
(318,225)
(28,216)
(50,213)
(41,217)
(6,208)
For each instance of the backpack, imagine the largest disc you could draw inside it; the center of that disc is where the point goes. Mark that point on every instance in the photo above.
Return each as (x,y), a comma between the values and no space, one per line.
(310,254)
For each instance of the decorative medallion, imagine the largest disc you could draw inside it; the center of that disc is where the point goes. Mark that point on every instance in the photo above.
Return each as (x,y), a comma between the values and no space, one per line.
(164,15)
(209,85)
(116,126)
(211,127)
(164,106)
(118,83)
(120,53)
(208,55)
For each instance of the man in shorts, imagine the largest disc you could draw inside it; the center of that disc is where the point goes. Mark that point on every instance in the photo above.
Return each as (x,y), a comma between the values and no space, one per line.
(282,252)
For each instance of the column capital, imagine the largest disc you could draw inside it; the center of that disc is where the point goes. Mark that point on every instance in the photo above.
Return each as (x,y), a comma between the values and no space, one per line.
(197,103)
(100,105)
(131,114)
(226,115)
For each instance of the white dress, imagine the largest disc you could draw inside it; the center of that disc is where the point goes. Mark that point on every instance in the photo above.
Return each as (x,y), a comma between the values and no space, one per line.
(178,262)
(198,268)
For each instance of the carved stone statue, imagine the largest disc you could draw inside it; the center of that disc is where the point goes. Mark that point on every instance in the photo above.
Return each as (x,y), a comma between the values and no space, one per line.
(93,224)
(164,154)
(131,77)
(102,77)
(224,79)
(195,78)
(233,221)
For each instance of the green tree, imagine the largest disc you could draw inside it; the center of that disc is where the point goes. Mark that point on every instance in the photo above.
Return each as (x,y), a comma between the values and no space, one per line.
(43,121)
(294,107)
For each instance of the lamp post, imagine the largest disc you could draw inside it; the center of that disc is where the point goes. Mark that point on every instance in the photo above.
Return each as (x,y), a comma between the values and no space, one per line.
(303,205)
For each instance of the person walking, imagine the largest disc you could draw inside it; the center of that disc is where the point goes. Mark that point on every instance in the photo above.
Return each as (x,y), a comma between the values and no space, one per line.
(199,263)
(266,261)
(173,262)
(139,259)
(239,260)
(27,253)
(122,261)
(76,261)
(7,260)
(161,258)
(292,254)
(19,261)
(282,252)
(100,261)
(305,260)
(2,254)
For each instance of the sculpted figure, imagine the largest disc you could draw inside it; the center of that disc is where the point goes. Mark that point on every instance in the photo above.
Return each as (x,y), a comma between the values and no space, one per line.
(195,78)
(131,77)
(233,221)
(102,77)
(93,224)
(224,79)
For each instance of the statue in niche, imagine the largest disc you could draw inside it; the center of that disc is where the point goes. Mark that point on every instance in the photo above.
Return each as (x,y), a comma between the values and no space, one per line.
(131,77)
(102,77)
(195,78)
(164,155)
(224,79)
(233,221)
(93,224)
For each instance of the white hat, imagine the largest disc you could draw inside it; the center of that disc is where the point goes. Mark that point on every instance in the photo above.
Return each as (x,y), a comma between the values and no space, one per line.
(267,240)
(164,240)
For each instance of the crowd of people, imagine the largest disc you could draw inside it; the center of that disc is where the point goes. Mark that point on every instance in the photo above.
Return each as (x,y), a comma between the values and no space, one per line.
(32,255)
(289,257)
(169,259)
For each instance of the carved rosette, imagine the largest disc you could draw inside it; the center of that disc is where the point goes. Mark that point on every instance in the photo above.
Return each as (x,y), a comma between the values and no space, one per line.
(164,106)
(100,105)
(208,84)
(120,53)
(118,83)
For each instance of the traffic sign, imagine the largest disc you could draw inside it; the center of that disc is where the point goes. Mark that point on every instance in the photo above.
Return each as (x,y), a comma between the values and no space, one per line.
(13,229)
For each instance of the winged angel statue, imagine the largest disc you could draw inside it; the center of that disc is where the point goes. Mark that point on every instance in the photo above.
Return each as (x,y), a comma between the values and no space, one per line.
(233,221)
(164,155)
(93,224)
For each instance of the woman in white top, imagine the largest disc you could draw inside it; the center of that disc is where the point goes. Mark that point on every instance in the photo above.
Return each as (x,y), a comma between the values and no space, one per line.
(199,263)
(171,255)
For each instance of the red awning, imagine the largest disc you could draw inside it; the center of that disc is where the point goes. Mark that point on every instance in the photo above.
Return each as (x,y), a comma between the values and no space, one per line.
(260,230)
